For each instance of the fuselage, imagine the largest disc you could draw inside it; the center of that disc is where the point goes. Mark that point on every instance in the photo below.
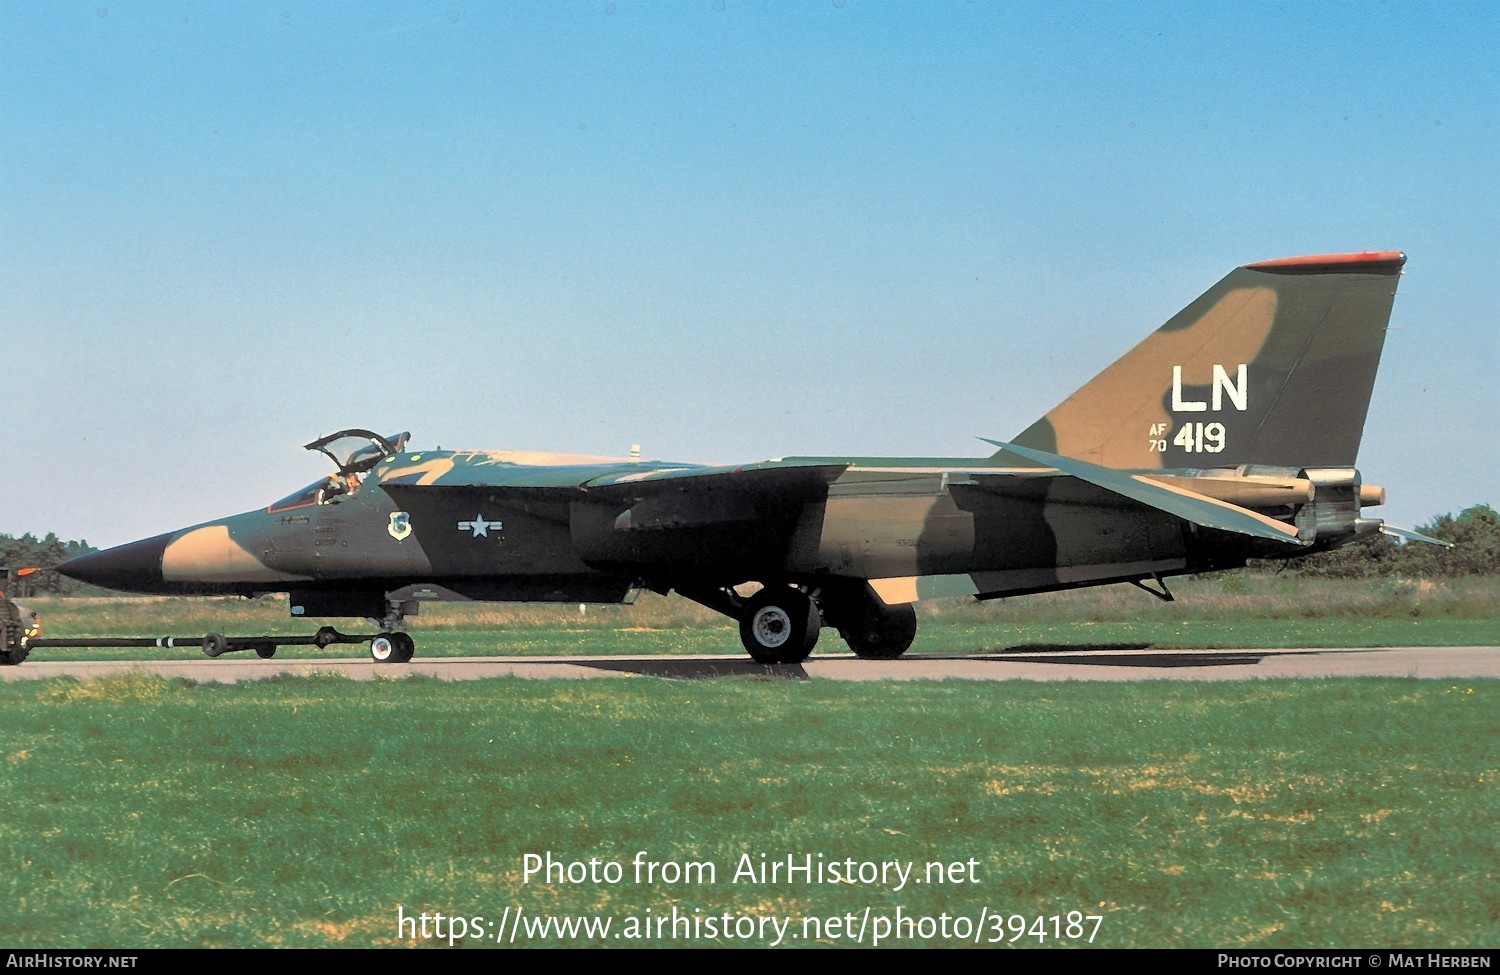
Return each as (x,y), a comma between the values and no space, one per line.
(505,529)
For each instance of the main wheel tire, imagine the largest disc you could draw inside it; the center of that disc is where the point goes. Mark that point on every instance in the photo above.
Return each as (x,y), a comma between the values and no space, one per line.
(215,645)
(780,626)
(265,651)
(882,632)
(392,648)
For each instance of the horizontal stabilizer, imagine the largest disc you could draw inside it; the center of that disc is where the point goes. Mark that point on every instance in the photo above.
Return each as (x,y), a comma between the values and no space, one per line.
(1407,534)
(1196,508)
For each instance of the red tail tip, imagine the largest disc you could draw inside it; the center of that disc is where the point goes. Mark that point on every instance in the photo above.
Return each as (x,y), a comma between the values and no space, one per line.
(1384,261)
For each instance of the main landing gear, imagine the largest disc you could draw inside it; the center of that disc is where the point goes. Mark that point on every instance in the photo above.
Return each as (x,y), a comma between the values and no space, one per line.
(780,623)
(879,632)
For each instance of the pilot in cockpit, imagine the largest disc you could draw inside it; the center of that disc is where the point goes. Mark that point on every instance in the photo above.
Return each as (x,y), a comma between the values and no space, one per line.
(338,487)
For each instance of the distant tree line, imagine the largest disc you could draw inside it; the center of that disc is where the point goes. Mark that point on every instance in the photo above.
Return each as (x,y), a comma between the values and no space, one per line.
(1474,532)
(28,551)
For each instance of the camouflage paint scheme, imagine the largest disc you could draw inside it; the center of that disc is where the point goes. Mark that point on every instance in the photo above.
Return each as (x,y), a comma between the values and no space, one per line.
(1230,433)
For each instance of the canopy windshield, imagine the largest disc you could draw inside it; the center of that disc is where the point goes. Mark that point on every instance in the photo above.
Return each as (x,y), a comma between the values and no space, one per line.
(356,451)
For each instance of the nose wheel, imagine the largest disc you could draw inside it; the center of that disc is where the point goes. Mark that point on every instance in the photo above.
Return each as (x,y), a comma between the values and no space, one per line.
(392,648)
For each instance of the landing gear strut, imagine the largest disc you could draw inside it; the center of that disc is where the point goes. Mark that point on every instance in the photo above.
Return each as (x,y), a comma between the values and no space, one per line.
(780,623)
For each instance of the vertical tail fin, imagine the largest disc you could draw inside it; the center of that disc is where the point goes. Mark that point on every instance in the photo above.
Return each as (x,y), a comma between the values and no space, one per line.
(1273,365)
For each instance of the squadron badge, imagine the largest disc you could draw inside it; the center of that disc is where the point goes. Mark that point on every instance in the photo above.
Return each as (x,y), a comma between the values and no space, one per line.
(400,525)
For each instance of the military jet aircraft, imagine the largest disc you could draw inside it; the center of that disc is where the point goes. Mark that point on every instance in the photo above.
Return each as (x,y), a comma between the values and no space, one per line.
(1229,433)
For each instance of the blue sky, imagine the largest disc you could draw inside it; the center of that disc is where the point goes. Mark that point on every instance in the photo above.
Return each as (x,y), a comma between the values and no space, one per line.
(723,230)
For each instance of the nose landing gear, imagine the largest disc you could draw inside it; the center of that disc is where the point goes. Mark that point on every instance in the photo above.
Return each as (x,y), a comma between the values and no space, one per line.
(392,646)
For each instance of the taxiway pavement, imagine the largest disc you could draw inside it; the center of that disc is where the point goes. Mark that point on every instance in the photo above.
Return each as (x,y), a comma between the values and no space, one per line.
(1073,663)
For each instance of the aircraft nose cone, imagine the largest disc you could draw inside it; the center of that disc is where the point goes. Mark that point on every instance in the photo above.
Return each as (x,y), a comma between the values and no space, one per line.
(133,567)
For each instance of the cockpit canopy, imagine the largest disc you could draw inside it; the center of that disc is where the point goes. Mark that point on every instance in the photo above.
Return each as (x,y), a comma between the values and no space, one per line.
(353,452)
(356,451)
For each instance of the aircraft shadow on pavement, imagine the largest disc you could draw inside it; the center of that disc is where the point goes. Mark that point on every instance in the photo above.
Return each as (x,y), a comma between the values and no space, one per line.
(1072,647)
(1093,655)
(1103,656)
(699,669)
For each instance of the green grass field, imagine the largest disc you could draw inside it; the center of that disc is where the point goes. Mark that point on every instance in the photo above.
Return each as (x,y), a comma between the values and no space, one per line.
(141,812)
